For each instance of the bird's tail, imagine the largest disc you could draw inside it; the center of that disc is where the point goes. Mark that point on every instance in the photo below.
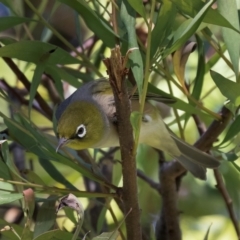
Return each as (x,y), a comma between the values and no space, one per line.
(194,159)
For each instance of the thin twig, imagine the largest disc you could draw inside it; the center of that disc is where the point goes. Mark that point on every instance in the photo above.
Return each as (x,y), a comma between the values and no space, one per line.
(57,190)
(227,199)
(148,180)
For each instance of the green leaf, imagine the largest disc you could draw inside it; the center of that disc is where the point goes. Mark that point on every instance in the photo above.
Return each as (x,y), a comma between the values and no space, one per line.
(198,81)
(55,235)
(232,39)
(4,171)
(27,233)
(7,40)
(33,141)
(9,22)
(70,214)
(55,174)
(22,136)
(10,197)
(180,104)
(138,6)
(228,88)
(134,119)
(33,177)
(163,26)
(93,21)
(36,51)
(59,74)
(207,233)
(107,236)
(212,16)
(236,166)
(40,138)
(11,166)
(53,72)
(101,219)
(231,157)
(85,77)
(37,77)
(46,217)
(187,29)
(127,15)
(233,130)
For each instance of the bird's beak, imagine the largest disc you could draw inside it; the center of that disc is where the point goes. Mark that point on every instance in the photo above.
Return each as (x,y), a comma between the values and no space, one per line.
(62,141)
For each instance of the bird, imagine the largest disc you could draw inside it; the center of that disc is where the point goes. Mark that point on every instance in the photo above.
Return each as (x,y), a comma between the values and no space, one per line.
(87,119)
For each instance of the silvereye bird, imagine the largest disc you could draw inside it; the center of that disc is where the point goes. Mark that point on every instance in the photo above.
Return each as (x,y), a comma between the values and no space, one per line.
(87,119)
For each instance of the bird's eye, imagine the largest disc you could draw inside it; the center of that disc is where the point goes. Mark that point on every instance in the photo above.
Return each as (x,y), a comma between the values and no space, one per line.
(81,131)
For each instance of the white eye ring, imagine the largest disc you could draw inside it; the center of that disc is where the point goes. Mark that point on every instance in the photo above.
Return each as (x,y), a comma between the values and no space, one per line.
(81,131)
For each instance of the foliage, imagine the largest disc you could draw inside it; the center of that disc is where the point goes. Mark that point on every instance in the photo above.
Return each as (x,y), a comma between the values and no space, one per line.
(186,50)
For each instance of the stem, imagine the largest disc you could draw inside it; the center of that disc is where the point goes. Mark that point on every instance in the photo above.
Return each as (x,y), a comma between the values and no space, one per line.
(228,201)
(125,132)
(181,131)
(57,190)
(146,76)
(78,229)
(217,50)
(191,98)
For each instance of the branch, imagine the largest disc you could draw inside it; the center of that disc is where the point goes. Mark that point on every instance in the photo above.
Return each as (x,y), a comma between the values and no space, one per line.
(228,201)
(148,180)
(220,185)
(168,226)
(117,75)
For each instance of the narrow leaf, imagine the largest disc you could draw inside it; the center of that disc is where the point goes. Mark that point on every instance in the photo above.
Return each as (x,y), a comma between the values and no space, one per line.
(61,74)
(236,166)
(127,15)
(93,21)
(107,236)
(228,88)
(34,51)
(212,16)
(180,104)
(46,217)
(9,22)
(187,29)
(33,177)
(15,175)
(232,39)
(54,235)
(163,26)
(233,130)
(138,7)
(8,198)
(198,81)
(55,174)
(37,77)
(207,233)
